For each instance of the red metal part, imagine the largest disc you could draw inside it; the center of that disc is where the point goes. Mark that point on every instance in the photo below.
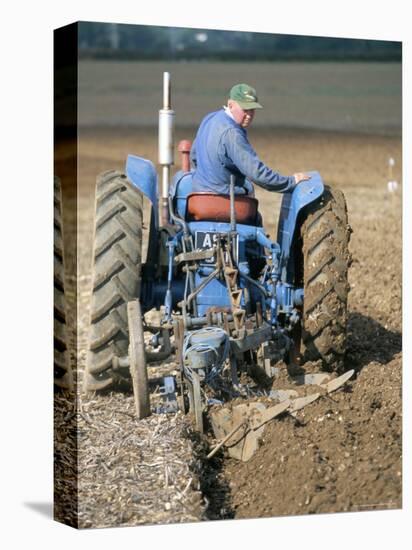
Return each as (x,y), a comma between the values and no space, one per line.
(213,207)
(184,149)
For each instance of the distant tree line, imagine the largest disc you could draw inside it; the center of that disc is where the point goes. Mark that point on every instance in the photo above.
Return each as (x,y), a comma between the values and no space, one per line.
(124,41)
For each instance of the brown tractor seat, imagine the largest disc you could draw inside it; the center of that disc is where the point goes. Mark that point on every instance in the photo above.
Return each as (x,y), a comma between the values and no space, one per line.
(206,206)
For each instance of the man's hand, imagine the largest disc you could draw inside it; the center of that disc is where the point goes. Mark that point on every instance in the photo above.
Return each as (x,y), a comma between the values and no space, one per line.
(300,176)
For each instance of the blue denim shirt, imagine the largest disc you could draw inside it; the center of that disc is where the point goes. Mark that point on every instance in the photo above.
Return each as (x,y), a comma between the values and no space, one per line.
(221,148)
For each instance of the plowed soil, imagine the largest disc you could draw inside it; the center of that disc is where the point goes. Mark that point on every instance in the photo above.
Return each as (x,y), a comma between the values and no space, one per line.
(342,453)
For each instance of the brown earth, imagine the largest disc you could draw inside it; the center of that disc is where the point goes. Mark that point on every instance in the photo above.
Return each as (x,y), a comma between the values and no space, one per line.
(341,453)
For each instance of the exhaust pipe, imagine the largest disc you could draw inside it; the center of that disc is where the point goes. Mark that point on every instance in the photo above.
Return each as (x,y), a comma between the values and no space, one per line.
(166,146)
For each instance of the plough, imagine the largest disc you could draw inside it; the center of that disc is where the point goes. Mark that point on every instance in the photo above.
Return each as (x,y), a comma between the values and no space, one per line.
(241,427)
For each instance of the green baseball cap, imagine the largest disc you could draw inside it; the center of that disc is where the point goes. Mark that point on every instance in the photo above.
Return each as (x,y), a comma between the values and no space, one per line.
(246,96)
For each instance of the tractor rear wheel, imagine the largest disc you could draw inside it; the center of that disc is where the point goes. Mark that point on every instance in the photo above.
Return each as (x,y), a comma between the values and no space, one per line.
(325,237)
(62,371)
(117,247)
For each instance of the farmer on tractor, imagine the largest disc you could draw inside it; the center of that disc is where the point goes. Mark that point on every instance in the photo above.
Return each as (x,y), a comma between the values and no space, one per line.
(221,149)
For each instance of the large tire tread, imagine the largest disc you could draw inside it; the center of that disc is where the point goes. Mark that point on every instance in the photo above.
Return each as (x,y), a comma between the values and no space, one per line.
(63,377)
(116,275)
(325,236)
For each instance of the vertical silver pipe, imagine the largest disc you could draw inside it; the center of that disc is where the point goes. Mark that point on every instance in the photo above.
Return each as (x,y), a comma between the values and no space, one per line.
(166,91)
(165,180)
(166,145)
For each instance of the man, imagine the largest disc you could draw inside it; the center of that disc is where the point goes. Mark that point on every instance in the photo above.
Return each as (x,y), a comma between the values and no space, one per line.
(221,148)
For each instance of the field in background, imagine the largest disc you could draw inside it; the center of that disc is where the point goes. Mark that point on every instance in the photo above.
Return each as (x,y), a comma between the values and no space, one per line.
(351,97)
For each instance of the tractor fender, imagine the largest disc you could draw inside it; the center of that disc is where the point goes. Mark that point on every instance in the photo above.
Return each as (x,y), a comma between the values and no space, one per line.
(292,204)
(142,174)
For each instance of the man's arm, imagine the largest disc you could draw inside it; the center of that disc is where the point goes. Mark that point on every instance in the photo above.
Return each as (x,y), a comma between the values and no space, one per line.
(242,154)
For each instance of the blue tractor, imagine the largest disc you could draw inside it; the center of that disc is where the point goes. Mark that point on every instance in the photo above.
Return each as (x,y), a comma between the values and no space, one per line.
(232,300)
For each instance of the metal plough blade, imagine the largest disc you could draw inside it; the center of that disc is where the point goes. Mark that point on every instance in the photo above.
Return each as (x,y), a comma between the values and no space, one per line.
(232,427)
(336,383)
(301,402)
(315,379)
(268,414)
